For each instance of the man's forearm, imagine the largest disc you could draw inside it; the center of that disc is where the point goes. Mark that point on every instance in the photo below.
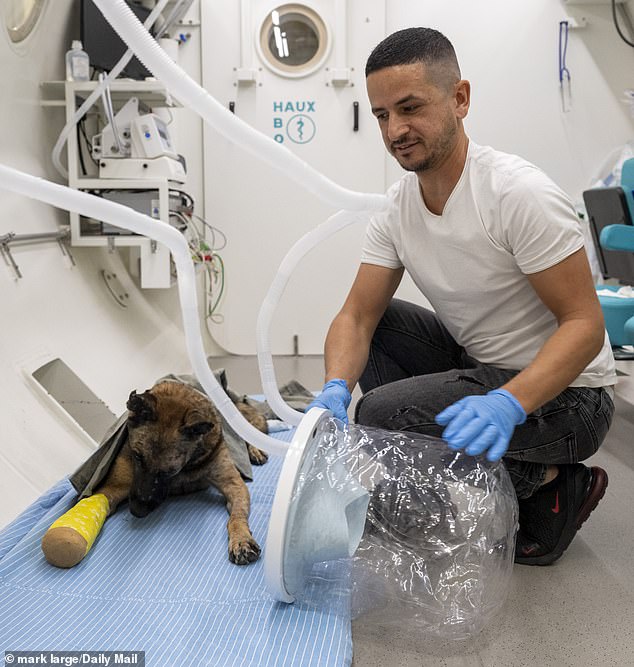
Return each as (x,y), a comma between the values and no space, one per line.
(562,358)
(346,350)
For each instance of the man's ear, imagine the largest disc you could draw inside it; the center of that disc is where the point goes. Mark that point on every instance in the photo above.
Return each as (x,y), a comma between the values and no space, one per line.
(462,96)
(142,408)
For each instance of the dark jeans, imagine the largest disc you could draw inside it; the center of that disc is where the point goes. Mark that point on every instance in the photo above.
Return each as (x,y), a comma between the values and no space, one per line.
(416,369)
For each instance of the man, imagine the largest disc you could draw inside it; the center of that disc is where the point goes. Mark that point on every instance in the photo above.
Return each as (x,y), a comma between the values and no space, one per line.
(515,361)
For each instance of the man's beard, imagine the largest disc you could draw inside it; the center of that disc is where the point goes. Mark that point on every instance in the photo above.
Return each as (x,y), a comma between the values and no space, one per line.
(438,152)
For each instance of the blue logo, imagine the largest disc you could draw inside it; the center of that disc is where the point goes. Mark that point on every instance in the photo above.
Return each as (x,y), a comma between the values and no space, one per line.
(300,129)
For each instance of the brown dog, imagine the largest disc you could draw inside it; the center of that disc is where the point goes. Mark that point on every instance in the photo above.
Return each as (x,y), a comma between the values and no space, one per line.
(175,445)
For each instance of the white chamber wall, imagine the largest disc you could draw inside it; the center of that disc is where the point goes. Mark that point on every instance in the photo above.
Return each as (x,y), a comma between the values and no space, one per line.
(262,212)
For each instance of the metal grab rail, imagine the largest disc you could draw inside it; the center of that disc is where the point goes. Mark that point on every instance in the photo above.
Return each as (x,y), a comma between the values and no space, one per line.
(11,238)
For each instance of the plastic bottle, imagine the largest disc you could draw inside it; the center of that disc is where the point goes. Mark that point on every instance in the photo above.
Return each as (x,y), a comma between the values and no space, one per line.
(77,63)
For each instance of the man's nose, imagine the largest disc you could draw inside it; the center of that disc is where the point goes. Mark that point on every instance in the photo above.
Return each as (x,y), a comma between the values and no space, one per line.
(397,127)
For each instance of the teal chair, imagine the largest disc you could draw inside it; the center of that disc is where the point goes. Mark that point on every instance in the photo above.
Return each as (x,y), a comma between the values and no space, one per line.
(627,182)
(618,312)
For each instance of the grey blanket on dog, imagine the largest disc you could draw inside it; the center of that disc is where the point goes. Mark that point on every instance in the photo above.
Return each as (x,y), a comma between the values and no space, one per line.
(90,474)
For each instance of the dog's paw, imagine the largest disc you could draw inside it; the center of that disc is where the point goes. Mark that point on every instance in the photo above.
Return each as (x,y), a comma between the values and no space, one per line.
(243,552)
(257,456)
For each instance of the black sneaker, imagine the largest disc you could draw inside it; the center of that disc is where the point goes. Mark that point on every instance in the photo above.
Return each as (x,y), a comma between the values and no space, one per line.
(550,518)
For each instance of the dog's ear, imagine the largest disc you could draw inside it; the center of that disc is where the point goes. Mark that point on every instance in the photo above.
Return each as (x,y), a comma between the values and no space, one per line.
(192,431)
(142,408)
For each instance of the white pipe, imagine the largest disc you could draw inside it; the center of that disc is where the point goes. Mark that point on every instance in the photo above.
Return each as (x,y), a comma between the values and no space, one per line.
(191,95)
(331,226)
(92,98)
(123,216)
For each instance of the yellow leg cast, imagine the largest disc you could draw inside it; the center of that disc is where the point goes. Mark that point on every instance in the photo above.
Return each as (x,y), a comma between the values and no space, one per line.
(69,539)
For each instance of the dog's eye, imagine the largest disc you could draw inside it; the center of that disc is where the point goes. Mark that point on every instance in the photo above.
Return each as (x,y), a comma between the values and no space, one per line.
(137,457)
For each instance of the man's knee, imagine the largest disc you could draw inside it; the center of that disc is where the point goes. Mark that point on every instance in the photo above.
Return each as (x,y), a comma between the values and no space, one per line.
(368,410)
(378,409)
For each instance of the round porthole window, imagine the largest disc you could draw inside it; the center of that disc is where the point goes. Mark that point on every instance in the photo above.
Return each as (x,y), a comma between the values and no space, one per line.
(293,40)
(20,17)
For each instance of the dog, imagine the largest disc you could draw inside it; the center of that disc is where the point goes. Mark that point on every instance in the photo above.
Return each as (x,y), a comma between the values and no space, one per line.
(175,446)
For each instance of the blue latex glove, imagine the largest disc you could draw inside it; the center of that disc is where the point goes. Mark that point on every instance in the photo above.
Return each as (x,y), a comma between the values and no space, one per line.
(479,423)
(334,397)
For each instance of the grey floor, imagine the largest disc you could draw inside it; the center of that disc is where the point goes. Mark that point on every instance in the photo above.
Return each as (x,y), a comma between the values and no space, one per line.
(577,612)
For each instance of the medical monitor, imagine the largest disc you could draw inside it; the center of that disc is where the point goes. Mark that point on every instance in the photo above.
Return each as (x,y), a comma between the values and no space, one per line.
(608,206)
(104,46)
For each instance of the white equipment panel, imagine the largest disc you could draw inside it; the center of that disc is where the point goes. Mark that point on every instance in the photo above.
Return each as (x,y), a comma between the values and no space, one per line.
(261,212)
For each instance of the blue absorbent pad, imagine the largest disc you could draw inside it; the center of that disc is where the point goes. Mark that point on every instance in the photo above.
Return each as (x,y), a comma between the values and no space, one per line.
(163,585)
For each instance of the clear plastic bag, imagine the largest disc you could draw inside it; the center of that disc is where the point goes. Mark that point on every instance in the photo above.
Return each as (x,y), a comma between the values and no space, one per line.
(429,533)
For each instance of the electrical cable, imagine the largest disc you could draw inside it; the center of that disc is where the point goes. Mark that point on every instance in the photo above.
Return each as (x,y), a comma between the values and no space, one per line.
(217,318)
(618,27)
(204,254)
(213,231)
(171,115)
(80,153)
(564,72)
(183,226)
(82,127)
(184,194)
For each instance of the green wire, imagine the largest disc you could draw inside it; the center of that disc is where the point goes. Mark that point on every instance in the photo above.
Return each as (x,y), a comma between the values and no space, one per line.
(212,309)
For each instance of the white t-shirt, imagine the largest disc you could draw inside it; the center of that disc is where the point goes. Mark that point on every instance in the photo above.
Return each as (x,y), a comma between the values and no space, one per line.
(504,219)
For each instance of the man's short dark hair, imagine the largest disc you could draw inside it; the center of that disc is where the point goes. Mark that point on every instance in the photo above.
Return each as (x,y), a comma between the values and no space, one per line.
(414,45)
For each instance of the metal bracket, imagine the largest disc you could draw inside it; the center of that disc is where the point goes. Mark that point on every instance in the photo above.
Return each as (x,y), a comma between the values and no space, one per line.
(245,76)
(116,289)
(8,257)
(339,77)
(64,247)
(578,23)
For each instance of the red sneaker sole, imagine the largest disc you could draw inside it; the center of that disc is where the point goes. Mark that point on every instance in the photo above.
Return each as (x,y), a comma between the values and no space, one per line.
(597,491)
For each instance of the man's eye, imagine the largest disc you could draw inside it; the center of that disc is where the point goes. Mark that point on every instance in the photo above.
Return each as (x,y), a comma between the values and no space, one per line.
(381,116)
(411,109)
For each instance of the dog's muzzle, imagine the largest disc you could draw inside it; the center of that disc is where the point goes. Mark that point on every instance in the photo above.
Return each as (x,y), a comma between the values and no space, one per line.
(147,495)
